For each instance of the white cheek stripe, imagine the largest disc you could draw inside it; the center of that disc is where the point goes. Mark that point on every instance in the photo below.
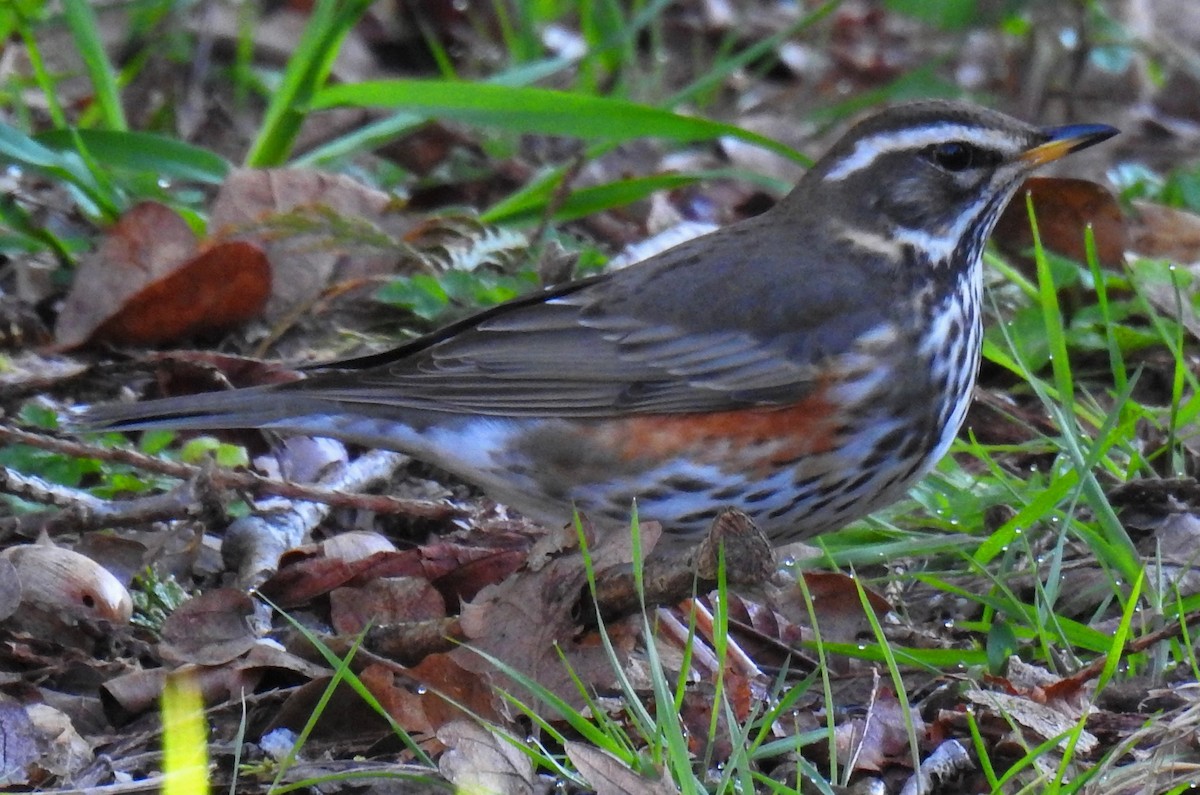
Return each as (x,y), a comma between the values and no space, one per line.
(868,149)
(940,244)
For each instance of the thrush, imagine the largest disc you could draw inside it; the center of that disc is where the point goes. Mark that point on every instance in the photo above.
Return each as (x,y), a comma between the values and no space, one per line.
(805,366)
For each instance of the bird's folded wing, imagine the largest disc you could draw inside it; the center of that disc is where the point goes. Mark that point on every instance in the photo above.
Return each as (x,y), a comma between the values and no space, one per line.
(552,360)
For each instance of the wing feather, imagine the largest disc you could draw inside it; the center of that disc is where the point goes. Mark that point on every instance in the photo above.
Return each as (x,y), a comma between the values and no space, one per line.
(618,346)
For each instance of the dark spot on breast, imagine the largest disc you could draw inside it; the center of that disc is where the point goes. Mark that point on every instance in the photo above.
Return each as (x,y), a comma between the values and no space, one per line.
(861,480)
(727,493)
(804,483)
(685,484)
(823,502)
(885,448)
(914,447)
(780,511)
(954,332)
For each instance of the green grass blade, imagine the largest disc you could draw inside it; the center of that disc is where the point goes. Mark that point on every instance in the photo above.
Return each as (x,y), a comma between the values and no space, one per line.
(30,235)
(1052,316)
(1112,660)
(388,129)
(538,110)
(587,201)
(1116,358)
(40,74)
(341,668)
(143,152)
(81,19)
(826,680)
(893,667)
(306,72)
(69,166)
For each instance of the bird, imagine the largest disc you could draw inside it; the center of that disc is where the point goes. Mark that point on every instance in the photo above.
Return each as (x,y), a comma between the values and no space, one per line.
(805,366)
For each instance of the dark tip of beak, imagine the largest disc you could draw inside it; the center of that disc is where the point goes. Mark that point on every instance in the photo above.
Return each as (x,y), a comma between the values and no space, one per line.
(1081,136)
(1061,141)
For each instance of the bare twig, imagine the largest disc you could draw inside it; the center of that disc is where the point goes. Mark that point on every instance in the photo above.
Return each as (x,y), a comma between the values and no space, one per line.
(229,479)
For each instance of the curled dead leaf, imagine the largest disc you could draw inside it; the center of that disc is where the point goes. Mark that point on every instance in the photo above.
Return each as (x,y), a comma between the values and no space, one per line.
(481,760)
(316,228)
(1064,208)
(209,629)
(149,283)
(126,696)
(1166,232)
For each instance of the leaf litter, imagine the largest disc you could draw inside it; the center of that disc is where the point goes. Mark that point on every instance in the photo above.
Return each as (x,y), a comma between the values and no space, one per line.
(314,247)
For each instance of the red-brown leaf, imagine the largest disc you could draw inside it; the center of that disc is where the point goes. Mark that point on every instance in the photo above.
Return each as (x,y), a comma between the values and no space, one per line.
(148,284)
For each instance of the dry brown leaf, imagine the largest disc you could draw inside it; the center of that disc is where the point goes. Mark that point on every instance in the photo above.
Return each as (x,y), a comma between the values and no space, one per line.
(450,689)
(608,775)
(147,283)
(126,696)
(1064,208)
(406,704)
(64,753)
(1174,235)
(880,738)
(19,753)
(209,629)
(303,574)
(459,570)
(839,611)
(1043,720)
(387,600)
(528,620)
(479,760)
(10,589)
(346,715)
(1165,232)
(356,545)
(290,214)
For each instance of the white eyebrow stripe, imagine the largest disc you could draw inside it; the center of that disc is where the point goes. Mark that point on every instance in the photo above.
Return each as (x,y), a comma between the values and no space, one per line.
(867,149)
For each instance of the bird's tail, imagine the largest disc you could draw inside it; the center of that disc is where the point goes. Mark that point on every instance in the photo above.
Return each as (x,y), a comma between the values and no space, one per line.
(287,408)
(253,407)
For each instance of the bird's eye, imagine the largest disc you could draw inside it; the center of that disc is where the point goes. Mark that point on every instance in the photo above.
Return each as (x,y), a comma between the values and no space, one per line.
(953,155)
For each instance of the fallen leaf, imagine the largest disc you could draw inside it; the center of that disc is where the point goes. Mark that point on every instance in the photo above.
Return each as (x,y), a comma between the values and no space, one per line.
(1042,720)
(303,575)
(1165,232)
(63,752)
(1064,208)
(316,229)
(529,621)
(19,753)
(608,775)
(148,283)
(10,589)
(451,689)
(388,600)
(126,696)
(347,715)
(209,629)
(480,760)
(880,738)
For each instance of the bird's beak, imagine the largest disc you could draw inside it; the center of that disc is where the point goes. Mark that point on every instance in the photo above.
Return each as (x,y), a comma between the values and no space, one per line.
(1062,141)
